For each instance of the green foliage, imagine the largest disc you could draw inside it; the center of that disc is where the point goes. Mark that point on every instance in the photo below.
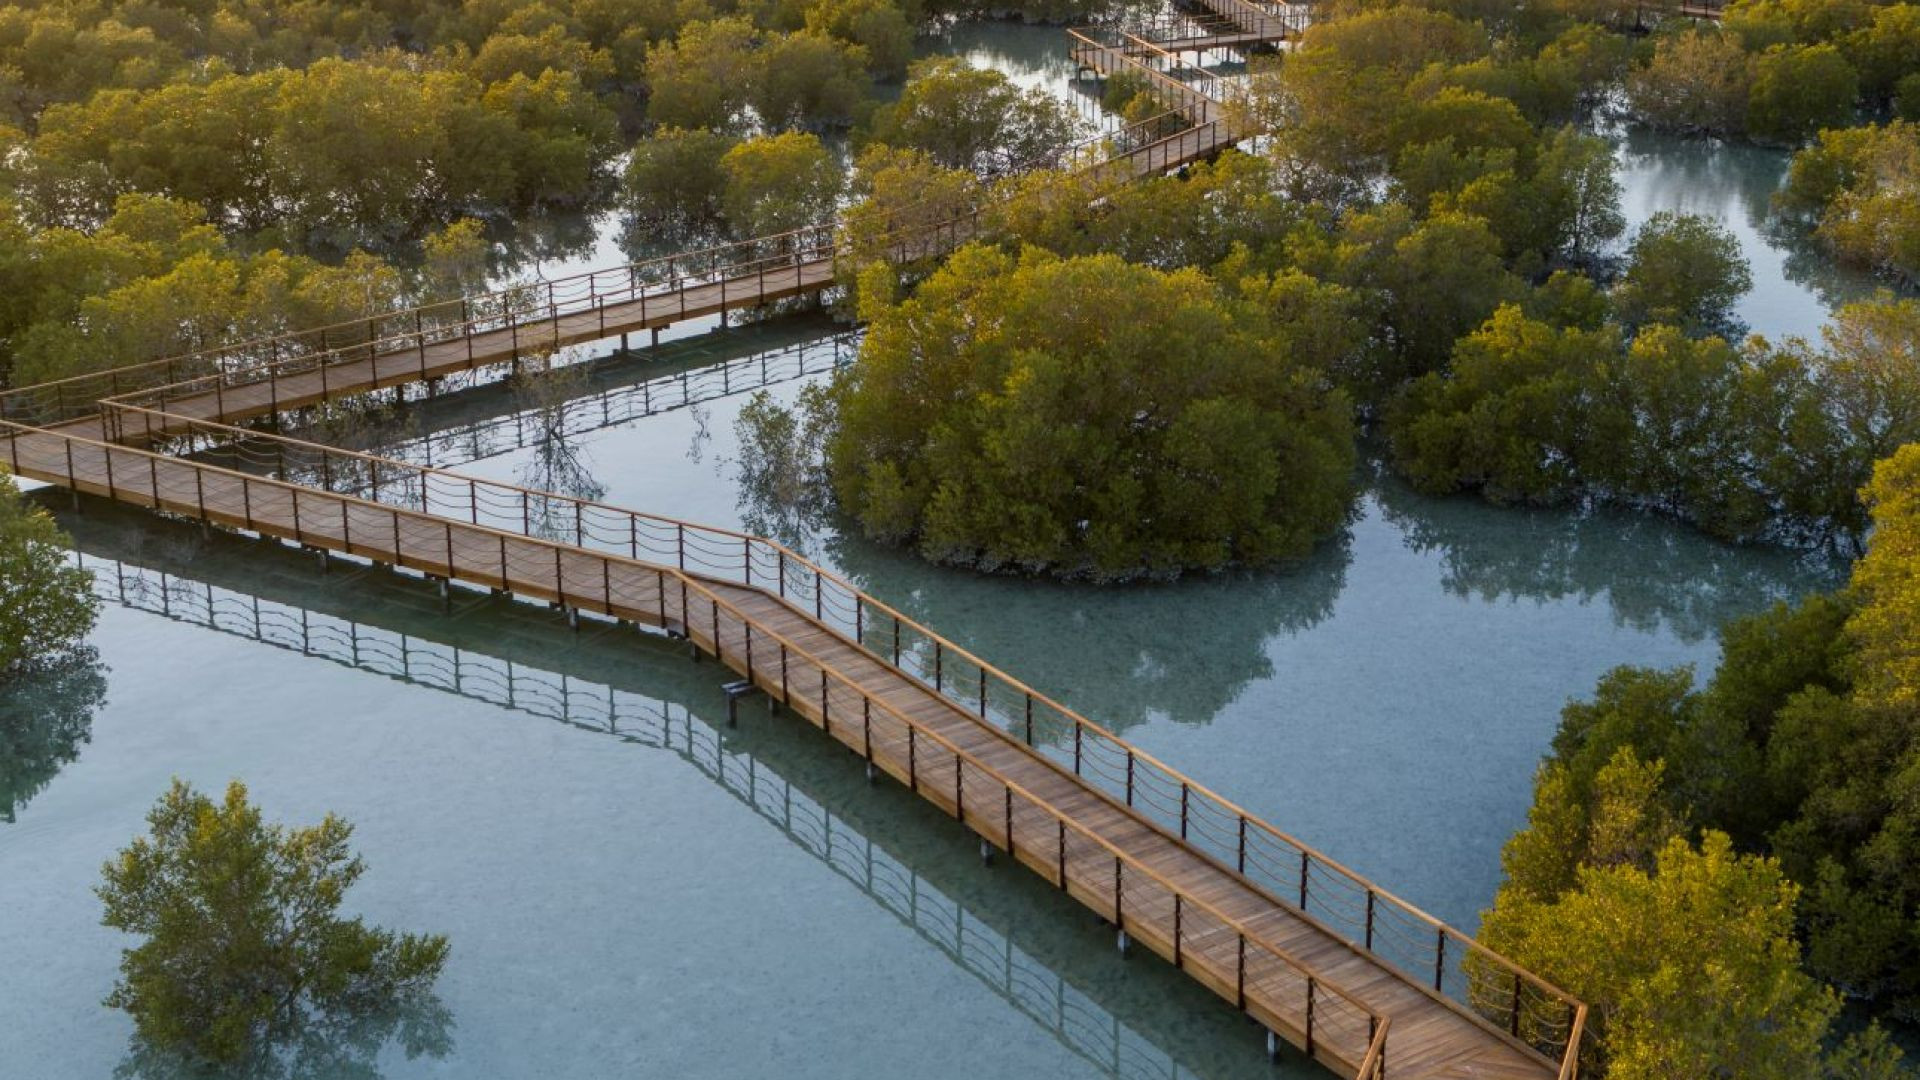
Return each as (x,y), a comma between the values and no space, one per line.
(903,200)
(1885,48)
(674,181)
(1507,419)
(1862,188)
(1697,81)
(454,261)
(340,153)
(1798,90)
(880,27)
(1435,279)
(1906,98)
(1684,270)
(697,80)
(1086,417)
(47,606)
(1201,218)
(155,281)
(1690,966)
(778,183)
(1334,106)
(1803,748)
(1745,442)
(242,936)
(1761,24)
(1578,197)
(973,118)
(807,80)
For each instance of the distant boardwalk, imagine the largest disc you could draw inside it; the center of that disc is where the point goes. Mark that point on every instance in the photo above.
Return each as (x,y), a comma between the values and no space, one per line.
(1358,979)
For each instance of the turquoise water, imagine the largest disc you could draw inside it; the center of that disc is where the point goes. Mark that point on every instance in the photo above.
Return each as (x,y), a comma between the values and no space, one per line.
(1418,661)
(1794,285)
(632,887)
(554,801)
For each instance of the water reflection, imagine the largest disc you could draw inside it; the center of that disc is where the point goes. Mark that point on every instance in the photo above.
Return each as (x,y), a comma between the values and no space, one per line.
(1796,285)
(1178,651)
(321,1046)
(1009,930)
(542,396)
(1650,571)
(484,422)
(45,717)
(1181,652)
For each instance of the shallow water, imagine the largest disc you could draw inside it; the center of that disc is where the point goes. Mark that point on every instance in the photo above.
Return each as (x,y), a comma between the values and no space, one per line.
(633,887)
(1795,286)
(1418,661)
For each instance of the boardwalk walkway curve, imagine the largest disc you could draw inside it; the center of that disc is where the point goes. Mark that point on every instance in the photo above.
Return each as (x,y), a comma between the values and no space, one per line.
(1310,949)
(995,946)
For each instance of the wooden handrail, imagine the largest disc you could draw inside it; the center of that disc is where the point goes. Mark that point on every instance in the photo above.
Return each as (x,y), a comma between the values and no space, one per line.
(859,596)
(699,585)
(1570,1064)
(863,600)
(818,243)
(712,256)
(1374,1065)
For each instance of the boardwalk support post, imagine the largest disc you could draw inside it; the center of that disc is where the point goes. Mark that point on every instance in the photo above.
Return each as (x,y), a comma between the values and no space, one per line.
(735,691)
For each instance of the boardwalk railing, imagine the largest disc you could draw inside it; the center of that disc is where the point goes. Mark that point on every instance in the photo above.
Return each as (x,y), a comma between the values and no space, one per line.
(980,946)
(1109,50)
(1501,994)
(602,407)
(588,556)
(1237,26)
(426,347)
(543,314)
(1216,949)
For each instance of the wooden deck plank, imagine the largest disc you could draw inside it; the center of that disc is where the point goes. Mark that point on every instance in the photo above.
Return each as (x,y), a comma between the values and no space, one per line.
(1428,1039)
(1239,941)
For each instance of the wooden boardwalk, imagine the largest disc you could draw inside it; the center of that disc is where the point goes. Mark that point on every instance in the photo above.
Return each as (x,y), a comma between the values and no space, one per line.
(808,263)
(1357,978)
(1319,989)
(1119,1033)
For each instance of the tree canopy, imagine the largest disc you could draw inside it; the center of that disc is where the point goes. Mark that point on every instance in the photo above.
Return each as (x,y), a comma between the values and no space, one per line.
(47,606)
(972,118)
(1792,766)
(243,942)
(1086,416)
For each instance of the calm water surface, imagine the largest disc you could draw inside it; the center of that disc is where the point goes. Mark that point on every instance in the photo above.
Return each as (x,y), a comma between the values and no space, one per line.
(1795,286)
(632,887)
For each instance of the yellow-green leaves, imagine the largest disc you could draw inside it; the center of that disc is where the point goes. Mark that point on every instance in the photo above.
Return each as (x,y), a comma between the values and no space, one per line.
(46,604)
(243,944)
(1088,417)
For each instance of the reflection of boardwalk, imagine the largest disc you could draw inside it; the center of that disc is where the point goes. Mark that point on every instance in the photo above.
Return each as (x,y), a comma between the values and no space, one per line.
(1322,957)
(1089,829)
(984,949)
(599,408)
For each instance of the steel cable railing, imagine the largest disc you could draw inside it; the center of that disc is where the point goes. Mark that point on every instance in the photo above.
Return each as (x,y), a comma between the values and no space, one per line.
(413,344)
(986,952)
(1268,981)
(1345,903)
